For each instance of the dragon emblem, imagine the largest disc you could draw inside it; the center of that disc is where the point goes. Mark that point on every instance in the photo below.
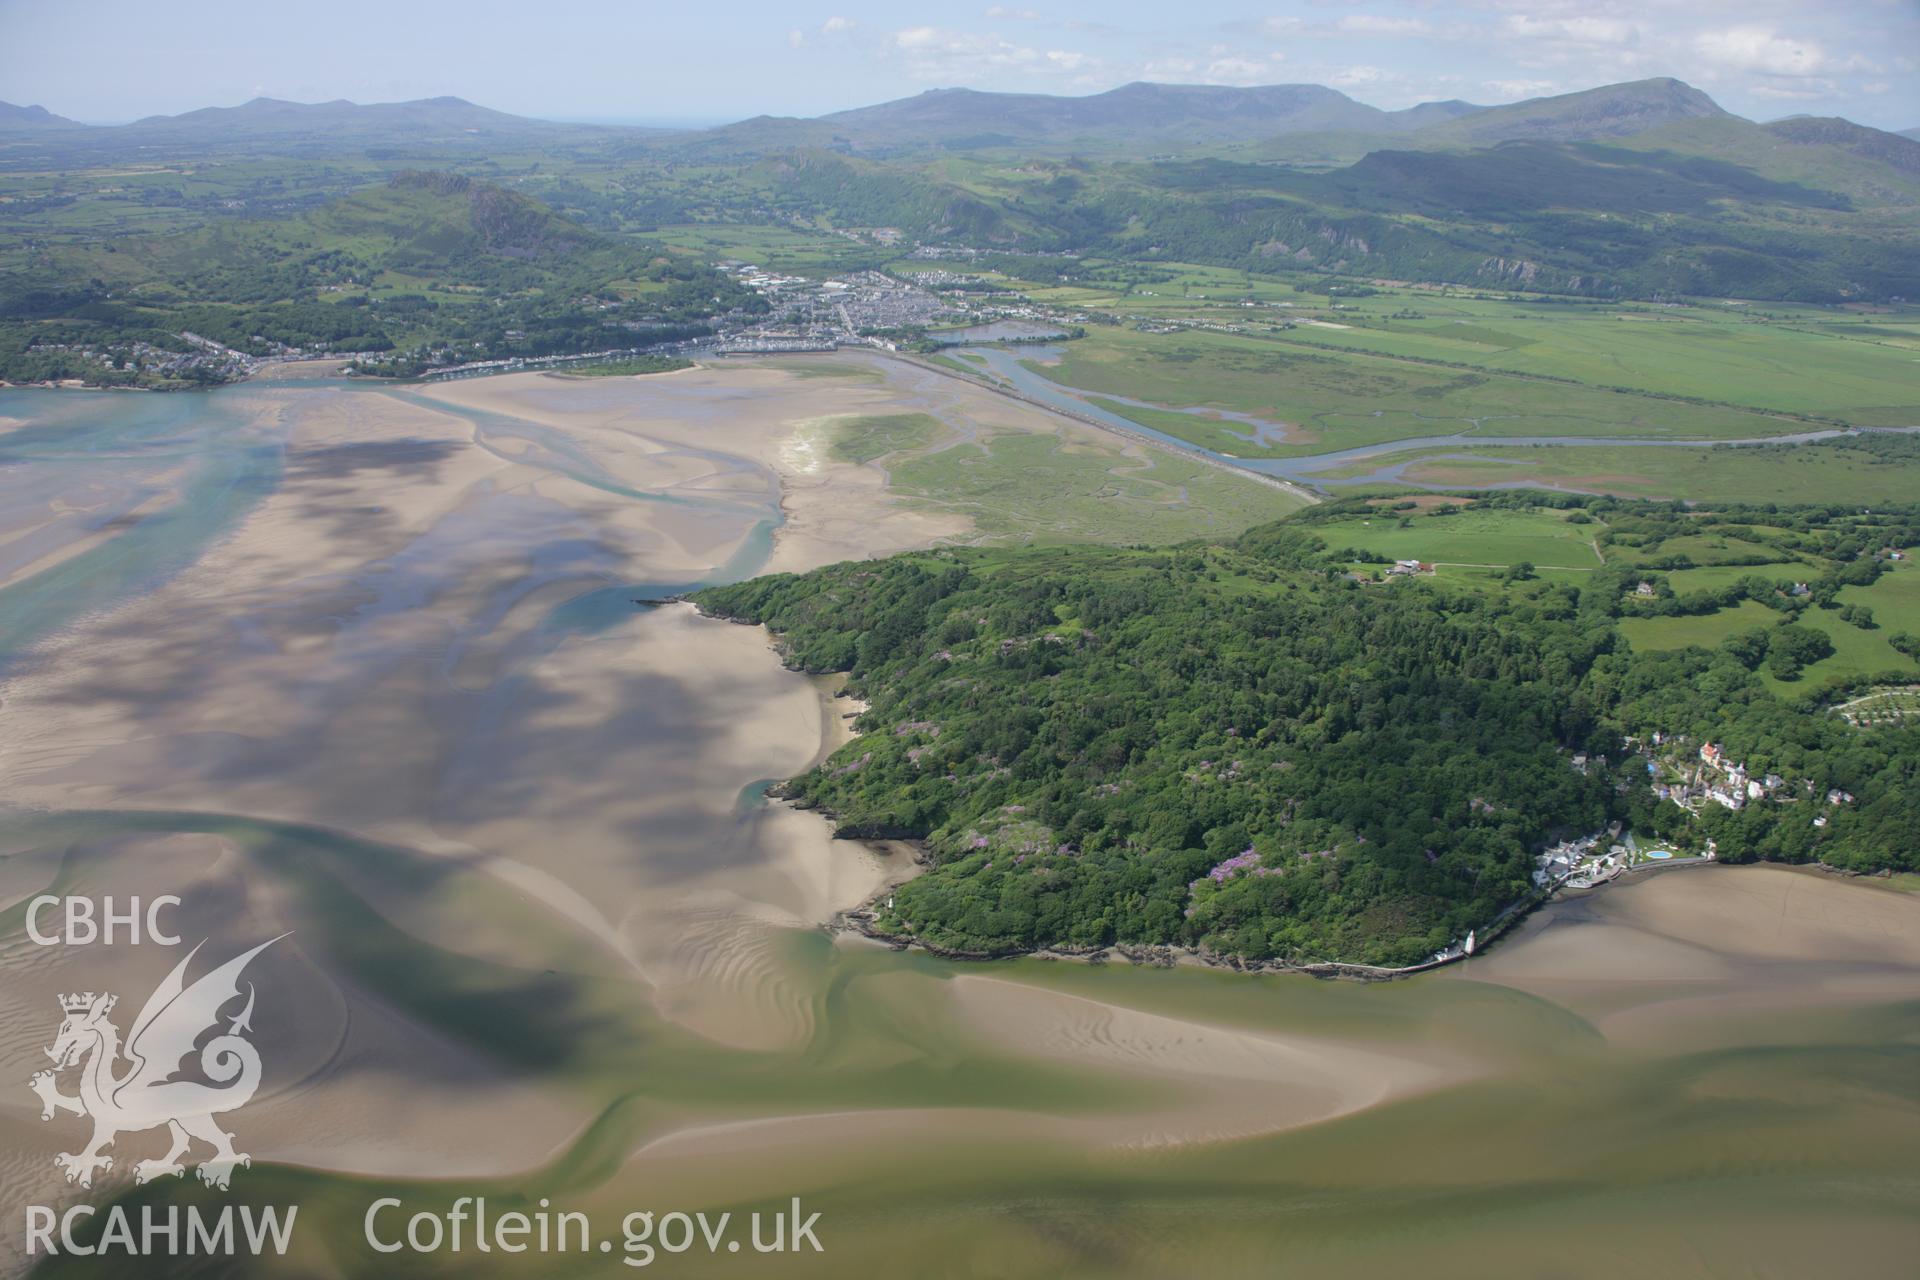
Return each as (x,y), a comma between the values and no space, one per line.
(125,1089)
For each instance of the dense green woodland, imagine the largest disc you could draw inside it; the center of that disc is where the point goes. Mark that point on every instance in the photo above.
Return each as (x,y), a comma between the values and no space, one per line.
(1238,747)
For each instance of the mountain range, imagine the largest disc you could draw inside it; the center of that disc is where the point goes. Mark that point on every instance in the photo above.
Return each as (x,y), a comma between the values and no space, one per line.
(1134,117)
(1611,111)
(264,116)
(1134,114)
(1640,189)
(1146,119)
(1140,120)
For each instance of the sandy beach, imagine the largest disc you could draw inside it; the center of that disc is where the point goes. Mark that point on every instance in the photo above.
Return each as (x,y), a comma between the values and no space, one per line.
(1695,955)
(399,587)
(406,583)
(751,411)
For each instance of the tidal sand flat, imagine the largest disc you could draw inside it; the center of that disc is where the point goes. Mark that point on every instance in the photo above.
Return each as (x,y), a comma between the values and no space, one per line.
(376,677)
(412,638)
(758,413)
(420,633)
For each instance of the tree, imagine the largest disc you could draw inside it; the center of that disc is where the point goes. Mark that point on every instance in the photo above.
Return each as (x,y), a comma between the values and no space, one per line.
(1799,644)
(1748,647)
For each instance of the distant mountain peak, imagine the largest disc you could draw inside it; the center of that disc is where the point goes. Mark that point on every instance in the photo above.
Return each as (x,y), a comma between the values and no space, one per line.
(266,116)
(1140,112)
(1608,111)
(1897,150)
(33,117)
(1153,115)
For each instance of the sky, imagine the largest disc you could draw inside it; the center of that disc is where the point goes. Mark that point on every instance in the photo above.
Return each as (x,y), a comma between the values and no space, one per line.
(105,61)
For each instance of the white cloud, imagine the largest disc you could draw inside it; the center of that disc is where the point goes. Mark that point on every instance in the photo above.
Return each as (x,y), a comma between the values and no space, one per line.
(1361,77)
(796,38)
(1765,51)
(1237,70)
(959,57)
(1376,24)
(1801,91)
(1231,69)
(1573,31)
(1514,90)
(837,24)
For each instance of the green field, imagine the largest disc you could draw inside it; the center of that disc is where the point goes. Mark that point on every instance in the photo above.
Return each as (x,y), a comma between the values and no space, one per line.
(1338,399)
(1069,485)
(1716,549)
(1476,544)
(863,439)
(1471,538)
(783,249)
(1798,474)
(1894,600)
(1222,435)
(1408,363)
(1838,371)
(1037,487)
(1698,630)
(1713,577)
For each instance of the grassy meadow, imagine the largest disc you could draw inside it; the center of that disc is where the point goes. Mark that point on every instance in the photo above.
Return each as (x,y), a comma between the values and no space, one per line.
(1857,651)
(1468,538)
(1808,473)
(1334,399)
(862,439)
(1383,363)
(1470,543)
(1048,488)
(1069,486)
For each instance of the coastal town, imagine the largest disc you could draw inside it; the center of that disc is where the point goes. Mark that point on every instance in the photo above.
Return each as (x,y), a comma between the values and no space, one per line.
(886,311)
(1690,777)
(918,310)
(197,361)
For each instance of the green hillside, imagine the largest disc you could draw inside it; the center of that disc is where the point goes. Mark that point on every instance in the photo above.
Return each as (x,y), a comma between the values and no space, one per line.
(1143,119)
(1610,111)
(1706,206)
(1239,747)
(428,260)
